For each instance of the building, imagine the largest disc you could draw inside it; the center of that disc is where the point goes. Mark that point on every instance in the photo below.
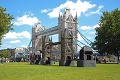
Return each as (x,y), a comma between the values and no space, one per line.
(20,54)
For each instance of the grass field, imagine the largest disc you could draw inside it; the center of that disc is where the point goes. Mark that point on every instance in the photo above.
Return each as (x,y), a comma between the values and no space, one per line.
(25,71)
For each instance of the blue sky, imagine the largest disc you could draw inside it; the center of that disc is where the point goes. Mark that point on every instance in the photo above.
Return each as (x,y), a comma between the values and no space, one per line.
(28,12)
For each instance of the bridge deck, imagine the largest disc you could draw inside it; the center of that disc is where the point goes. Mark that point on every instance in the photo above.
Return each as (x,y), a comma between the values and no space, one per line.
(50,31)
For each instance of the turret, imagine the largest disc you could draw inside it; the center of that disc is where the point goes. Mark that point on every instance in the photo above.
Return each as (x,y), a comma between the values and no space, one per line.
(59,18)
(76,18)
(64,16)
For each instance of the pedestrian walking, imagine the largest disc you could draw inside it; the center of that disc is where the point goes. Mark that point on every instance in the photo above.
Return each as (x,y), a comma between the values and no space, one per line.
(2,59)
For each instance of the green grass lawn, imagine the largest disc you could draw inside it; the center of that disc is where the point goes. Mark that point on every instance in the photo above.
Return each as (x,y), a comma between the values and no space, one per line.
(25,71)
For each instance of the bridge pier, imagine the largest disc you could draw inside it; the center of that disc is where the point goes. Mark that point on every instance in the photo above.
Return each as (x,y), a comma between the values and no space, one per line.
(86,63)
(43,62)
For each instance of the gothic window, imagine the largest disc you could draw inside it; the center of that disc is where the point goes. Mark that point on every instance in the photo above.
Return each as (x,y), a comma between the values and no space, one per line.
(70,33)
(70,18)
(68,50)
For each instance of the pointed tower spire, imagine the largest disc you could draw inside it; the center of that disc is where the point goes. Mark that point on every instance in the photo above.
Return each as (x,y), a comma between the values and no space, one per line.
(59,14)
(51,39)
(38,22)
(59,18)
(76,18)
(76,15)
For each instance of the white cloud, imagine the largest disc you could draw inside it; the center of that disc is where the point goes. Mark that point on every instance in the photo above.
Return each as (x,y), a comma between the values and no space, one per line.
(89,27)
(86,28)
(26,19)
(45,10)
(29,13)
(15,41)
(24,46)
(5,44)
(79,37)
(78,6)
(95,12)
(92,32)
(89,38)
(15,35)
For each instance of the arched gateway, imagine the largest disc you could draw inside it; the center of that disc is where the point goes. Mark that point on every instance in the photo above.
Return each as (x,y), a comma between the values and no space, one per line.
(66,30)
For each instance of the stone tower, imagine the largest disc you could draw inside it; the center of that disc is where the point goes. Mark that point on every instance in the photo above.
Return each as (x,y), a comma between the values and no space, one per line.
(68,30)
(37,40)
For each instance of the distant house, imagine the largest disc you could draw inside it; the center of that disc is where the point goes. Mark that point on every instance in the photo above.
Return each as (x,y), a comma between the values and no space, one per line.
(20,53)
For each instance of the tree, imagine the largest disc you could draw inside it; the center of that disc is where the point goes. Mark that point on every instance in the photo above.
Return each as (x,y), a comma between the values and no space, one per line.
(5,53)
(5,22)
(107,38)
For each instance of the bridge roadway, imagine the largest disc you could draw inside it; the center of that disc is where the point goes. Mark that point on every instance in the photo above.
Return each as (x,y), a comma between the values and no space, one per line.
(50,31)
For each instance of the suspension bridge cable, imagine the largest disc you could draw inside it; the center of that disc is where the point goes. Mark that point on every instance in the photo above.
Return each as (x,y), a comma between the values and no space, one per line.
(78,41)
(84,38)
(29,43)
(79,46)
(28,46)
(81,43)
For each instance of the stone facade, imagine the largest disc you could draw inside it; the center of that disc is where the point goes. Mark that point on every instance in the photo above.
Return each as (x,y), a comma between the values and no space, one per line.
(86,63)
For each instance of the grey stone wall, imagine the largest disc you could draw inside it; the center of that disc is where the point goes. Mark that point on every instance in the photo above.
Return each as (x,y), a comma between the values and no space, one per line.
(62,63)
(86,63)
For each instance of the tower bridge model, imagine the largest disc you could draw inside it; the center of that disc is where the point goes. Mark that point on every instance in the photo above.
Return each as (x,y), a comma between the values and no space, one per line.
(66,45)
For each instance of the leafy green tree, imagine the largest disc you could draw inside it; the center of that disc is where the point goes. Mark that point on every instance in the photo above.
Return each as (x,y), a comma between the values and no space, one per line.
(0,53)
(110,56)
(107,38)
(5,22)
(5,53)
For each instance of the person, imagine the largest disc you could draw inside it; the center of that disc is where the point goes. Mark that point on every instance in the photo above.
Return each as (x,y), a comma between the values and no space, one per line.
(105,60)
(54,58)
(39,59)
(36,59)
(2,59)
(32,59)
(118,62)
